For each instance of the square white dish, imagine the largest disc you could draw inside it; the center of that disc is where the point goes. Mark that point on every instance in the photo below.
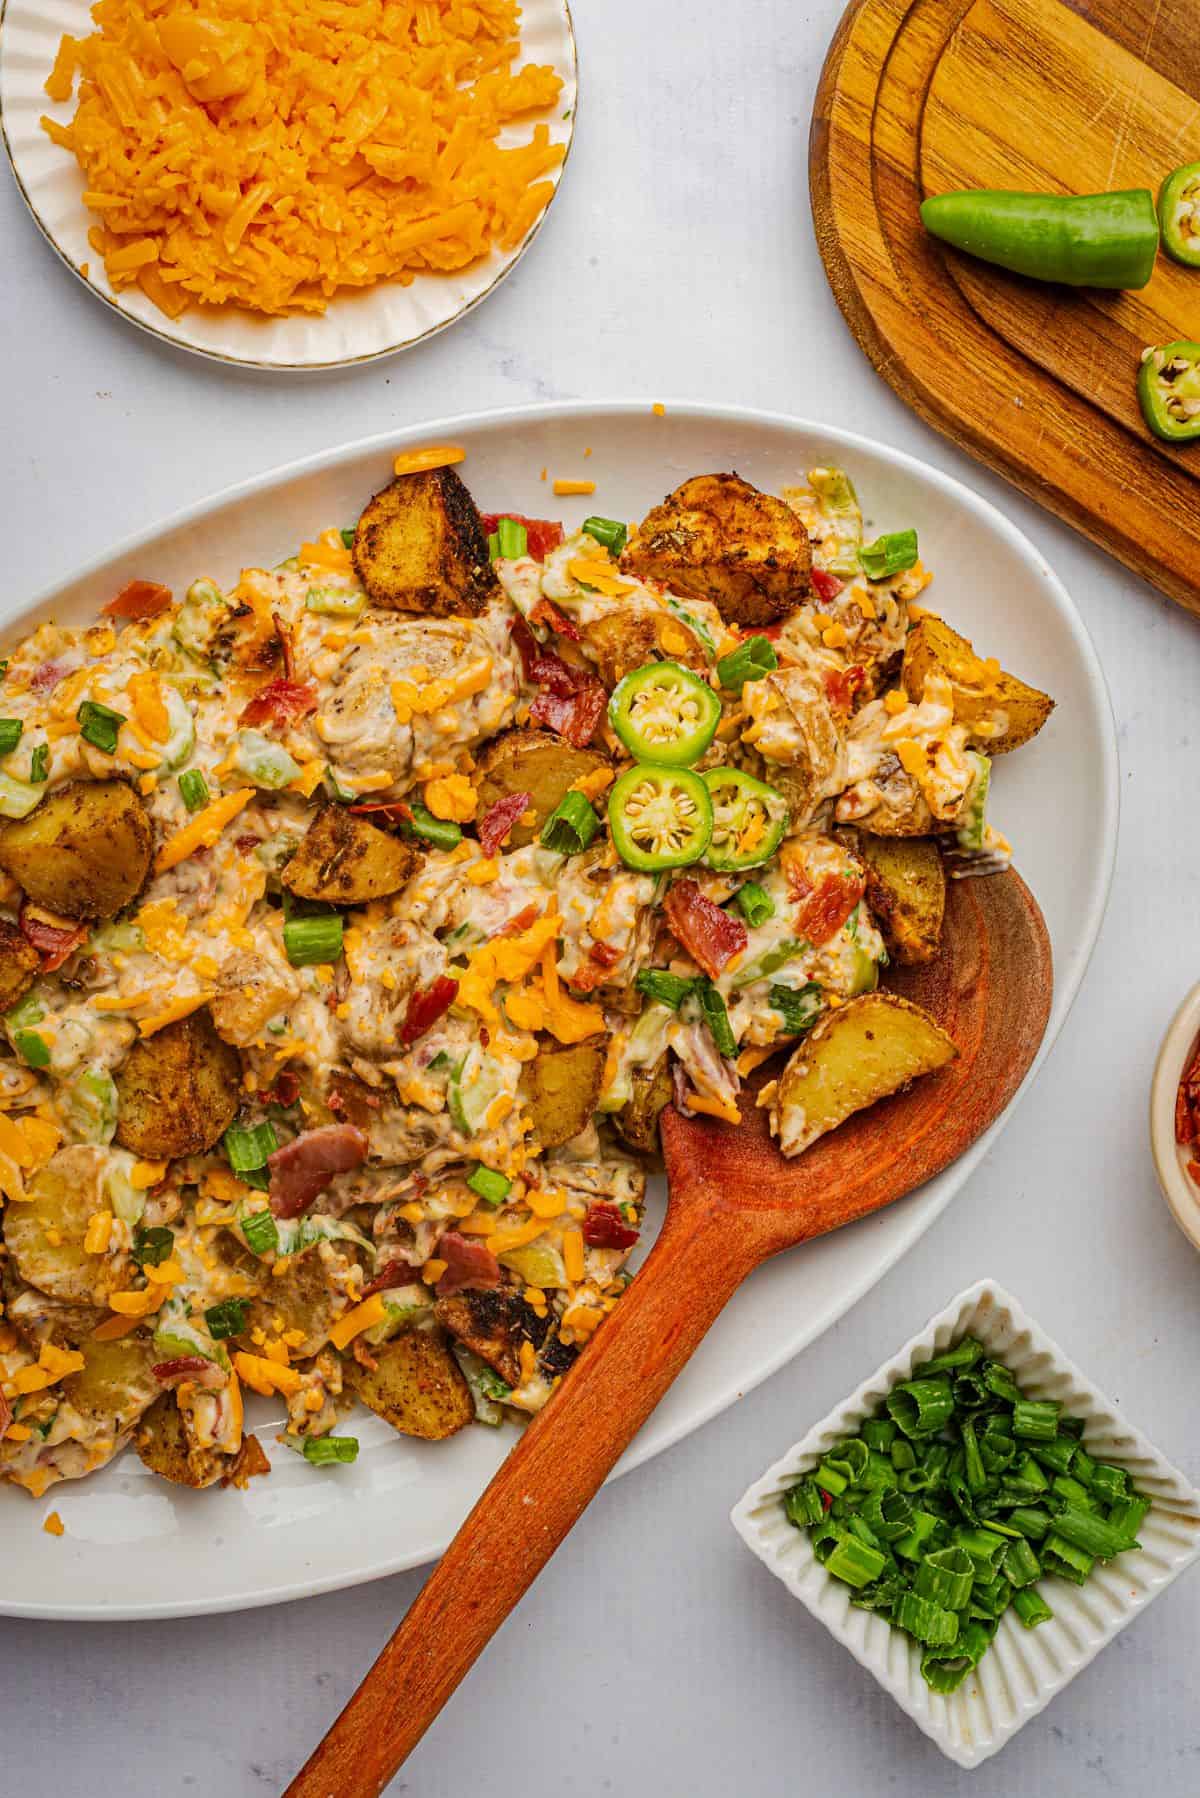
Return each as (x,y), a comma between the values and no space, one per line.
(1023,1669)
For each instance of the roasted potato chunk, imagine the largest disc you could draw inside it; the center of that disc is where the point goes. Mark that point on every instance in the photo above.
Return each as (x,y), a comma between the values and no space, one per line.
(115,1384)
(1001,711)
(637,1120)
(252,990)
(85,852)
(906,891)
(346,861)
(623,641)
(303,1298)
(416,1385)
(533,762)
(494,1323)
(860,1053)
(165,1446)
(20,965)
(718,538)
(420,547)
(45,1233)
(178,1090)
(560,1087)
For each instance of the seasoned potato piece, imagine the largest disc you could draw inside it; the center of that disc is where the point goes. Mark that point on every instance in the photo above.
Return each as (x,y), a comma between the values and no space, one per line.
(37,1318)
(906,891)
(178,1091)
(637,1120)
(346,861)
(252,990)
(533,762)
(494,1323)
(416,1385)
(302,1298)
(855,1056)
(166,1448)
(420,547)
(718,538)
(1007,712)
(623,641)
(20,965)
(560,1088)
(45,1233)
(85,851)
(115,1383)
(900,810)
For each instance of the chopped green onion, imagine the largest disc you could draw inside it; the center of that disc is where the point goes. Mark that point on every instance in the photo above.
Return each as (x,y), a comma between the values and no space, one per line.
(32,1047)
(944,1669)
(1031,1607)
(974,1470)
(749,661)
(946,1576)
(261,1232)
(803,1503)
(248,1149)
(227,1319)
(1036,1419)
(830,1479)
(963,1354)
(923,1528)
(1001,1382)
(1109,1484)
(493,544)
(889,554)
(1127,1514)
(1057,1455)
(921,1407)
(879,1433)
(439,833)
(712,1006)
(491,1187)
(99,725)
(512,539)
(193,789)
(798,1007)
(1094,1535)
(151,1247)
(308,941)
(1021,1565)
(348,533)
(855,1563)
(608,531)
(39,763)
(329,1451)
(902,1453)
(928,1622)
(1032,1521)
(755,903)
(10,734)
(1067,1559)
(668,989)
(571,825)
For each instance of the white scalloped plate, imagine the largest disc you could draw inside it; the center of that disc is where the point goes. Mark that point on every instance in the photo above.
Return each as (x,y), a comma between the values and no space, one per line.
(136,1547)
(354,328)
(1023,1669)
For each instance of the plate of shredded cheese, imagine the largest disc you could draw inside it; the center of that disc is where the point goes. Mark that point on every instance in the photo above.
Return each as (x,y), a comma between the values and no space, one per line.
(255,182)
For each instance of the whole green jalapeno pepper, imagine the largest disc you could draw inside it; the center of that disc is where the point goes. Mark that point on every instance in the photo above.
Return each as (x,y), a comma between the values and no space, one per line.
(1082,240)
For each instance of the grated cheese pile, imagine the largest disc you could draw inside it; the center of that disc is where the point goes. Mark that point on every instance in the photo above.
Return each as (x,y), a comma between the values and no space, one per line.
(267,153)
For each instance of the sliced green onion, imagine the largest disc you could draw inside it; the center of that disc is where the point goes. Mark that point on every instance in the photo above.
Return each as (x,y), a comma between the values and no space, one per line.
(491,1187)
(922,1530)
(227,1319)
(32,1047)
(984,1549)
(608,531)
(963,1354)
(1031,1607)
(889,554)
(10,734)
(799,1007)
(946,1576)
(493,544)
(1067,1559)
(99,725)
(1032,1521)
(512,539)
(1036,1419)
(831,1479)
(248,1149)
(1109,1484)
(879,1433)
(974,1470)
(1067,1490)
(749,661)
(712,1006)
(1021,1565)
(1127,1514)
(328,1451)
(755,903)
(39,763)
(261,1232)
(193,789)
(668,989)
(309,941)
(571,825)
(855,1562)
(944,1669)
(928,1622)
(348,533)
(921,1407)
(1001,1382)
(440,833)
(151,1247)
(1096,1536)
(902,1454)
(803,1503)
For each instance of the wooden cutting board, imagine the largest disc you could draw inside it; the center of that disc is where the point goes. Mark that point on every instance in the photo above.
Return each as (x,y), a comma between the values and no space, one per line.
(919,96)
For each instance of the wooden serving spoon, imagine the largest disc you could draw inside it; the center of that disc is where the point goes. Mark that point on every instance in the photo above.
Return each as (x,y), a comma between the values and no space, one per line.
(733,1202)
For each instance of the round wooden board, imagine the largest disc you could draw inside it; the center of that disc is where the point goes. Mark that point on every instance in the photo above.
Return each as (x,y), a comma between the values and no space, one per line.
(922,96)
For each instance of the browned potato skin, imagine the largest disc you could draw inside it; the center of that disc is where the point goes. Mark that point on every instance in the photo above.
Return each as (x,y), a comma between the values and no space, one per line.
(302,1298)
(534,762)
(622,642)
(420,547)
(164,1446)
(906,892)
(978,694)
(718,538)
(416,1385)
(115,1382)
(178,1090)
(637,1120)
(560,1088)
(347,861)
(44,1234)
(494,1323)
(20,965)
(85,852)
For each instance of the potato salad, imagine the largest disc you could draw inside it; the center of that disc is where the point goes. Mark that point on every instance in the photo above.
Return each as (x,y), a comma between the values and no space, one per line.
(359,919)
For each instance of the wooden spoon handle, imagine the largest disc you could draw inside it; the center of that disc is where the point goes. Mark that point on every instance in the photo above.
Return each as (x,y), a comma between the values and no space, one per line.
(543,1486)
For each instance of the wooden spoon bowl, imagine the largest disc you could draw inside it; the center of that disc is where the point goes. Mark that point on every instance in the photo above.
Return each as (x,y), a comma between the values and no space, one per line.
(733,1202)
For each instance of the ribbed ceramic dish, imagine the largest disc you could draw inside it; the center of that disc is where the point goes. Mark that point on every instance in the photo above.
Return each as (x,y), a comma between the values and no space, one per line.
(1023,1669)
(356,328)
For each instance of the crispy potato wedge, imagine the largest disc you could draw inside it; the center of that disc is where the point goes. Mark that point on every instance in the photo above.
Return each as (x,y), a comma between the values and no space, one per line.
(45,1233)
(251,990)
(420,547)
(85,852)
(302,1298)
(494,1323)
(560,1087)
(166,1448)
(347,861)
(906,891)
(534,762)
(718,538)
(623,641)
(416,1385)
(115,1384)
(178,1090)
(860,1053)
(20,965)
(1006,710)
(37,1318)
(637,1120)
(901,810)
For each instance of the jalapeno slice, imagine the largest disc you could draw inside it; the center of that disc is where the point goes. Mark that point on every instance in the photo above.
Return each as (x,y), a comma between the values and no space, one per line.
(664,714)
(1169,389)
(749,819)
(659,817)
(1179,214)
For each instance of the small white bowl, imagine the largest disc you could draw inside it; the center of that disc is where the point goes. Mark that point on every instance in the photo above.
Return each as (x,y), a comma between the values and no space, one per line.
(1171,1158)
(1022,1669)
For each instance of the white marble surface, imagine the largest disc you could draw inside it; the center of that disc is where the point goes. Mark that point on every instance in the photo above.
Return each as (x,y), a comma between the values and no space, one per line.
(655,1656)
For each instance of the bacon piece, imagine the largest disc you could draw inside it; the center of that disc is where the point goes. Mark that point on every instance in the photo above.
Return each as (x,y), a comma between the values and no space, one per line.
(53,937)
(499,819)
(303,1168)
(280,702)
(395,1273)
(605,1228)
(605,953)
(601,957)
(138,599)
(823,909)
(395,810)
(542,534)
(286,1089)
(47,675)
(709,935)
(826,586)
(545,612)
(426,1006)
(529,914)
(841,685)
(571,701)
(470,1264)
(188,1367)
